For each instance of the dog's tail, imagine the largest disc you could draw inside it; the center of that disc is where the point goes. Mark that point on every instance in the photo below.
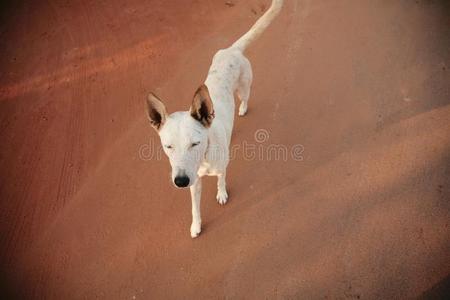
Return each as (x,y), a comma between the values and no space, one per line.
(259,27)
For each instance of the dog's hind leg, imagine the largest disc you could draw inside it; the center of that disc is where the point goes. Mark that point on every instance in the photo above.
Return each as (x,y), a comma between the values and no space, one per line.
(196,194)
(222,195)
(244,85)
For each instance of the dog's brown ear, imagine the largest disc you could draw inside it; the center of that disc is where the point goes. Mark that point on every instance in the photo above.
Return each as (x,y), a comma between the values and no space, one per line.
(156,111)
(202,107)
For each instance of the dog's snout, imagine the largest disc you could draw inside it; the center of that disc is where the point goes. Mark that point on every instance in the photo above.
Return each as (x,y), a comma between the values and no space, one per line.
(181,181)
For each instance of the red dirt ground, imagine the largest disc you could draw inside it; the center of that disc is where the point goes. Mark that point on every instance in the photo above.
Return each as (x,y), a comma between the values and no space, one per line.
(363,86)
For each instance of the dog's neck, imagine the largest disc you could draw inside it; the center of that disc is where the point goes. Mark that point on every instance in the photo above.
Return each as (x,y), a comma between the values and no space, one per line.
(207,147)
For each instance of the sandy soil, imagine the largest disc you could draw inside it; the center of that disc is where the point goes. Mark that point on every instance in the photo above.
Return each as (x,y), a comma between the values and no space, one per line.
(362,86)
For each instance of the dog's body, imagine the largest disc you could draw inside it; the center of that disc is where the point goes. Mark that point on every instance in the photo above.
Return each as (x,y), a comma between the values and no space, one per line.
(195,144)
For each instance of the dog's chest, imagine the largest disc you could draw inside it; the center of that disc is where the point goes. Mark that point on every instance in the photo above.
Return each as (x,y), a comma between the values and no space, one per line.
(207,169)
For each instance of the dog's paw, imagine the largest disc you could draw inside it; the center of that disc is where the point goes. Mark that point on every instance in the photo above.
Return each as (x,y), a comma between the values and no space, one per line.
(196,228)
(222,197)
(242,109)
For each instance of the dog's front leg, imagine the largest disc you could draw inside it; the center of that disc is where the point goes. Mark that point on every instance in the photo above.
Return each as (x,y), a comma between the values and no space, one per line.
(222,195)
(196,194)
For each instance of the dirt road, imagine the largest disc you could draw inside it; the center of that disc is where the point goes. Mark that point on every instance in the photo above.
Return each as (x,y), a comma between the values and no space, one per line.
(355,204)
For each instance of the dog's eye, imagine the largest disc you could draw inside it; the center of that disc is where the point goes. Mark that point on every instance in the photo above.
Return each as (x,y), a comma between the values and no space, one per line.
(168,146)
(195,144)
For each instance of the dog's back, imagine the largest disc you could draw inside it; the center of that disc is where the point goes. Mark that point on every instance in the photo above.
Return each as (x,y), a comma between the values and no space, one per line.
(231,73)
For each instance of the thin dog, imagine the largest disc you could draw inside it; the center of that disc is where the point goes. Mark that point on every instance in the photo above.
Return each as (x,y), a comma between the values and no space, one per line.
(197,141)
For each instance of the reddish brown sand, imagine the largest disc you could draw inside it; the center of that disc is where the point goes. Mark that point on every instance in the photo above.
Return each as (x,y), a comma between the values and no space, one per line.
(363,86)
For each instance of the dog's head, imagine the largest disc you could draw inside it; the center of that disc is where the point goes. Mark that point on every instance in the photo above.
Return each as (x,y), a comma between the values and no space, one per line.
(184,135)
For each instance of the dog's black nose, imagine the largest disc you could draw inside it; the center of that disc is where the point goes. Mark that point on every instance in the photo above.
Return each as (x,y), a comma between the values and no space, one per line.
(181,181)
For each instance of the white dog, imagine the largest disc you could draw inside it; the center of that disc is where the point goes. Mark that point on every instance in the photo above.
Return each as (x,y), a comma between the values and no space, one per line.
(197,141)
